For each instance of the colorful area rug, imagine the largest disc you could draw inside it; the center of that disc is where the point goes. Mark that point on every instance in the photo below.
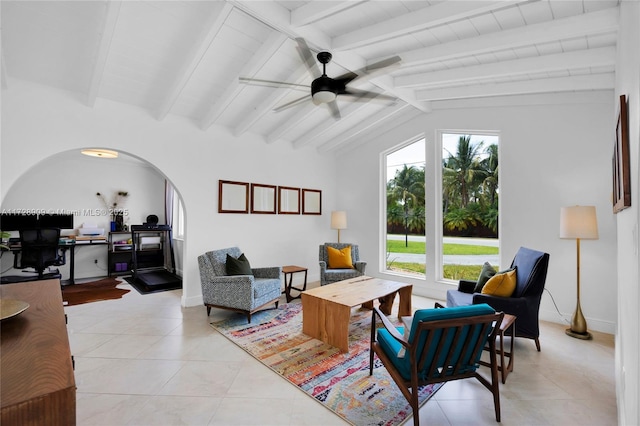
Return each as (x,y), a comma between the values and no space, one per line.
(104,289)
(341,382)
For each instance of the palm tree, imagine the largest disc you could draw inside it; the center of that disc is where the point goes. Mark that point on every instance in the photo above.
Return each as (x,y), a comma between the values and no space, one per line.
(406,189)
(490,183)
(463,169)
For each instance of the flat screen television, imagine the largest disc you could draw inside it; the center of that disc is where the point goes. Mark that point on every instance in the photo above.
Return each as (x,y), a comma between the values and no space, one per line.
(16,222)
(62,221)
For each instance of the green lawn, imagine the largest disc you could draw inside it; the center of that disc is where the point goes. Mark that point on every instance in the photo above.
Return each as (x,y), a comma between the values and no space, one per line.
(454,272)
(396,246)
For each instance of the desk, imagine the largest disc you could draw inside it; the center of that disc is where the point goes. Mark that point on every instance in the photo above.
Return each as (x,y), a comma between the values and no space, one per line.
(15,248)
(37,385)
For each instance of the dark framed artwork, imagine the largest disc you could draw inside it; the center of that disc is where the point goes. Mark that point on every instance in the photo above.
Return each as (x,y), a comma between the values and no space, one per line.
(233,197)
(263,199)
(311,201)
(621,160)
(288,200)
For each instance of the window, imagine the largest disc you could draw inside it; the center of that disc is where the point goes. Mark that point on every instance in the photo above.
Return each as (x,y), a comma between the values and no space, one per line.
(404,230)
(470,204)
(178,218)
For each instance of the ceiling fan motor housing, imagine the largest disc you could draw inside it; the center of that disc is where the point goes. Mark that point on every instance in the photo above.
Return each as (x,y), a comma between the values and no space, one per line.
(324,89)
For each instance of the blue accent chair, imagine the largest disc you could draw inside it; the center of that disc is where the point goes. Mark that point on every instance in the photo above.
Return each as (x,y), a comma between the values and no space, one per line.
(241,293)
(329,276)
(531,273)
(443,344)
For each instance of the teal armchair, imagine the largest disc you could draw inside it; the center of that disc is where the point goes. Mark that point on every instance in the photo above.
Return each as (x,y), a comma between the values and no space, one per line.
(442,344)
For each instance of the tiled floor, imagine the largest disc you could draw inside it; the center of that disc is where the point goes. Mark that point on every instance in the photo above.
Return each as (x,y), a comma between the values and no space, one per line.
(145,360)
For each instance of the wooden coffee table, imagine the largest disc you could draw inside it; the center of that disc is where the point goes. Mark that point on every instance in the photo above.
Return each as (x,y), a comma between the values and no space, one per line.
(326,310)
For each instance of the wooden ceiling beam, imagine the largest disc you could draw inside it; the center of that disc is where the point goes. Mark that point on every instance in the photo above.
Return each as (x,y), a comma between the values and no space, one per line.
(251,68)
(363,126)
(428,17)
(317,10)
(579,59)
(193,57)
(601,22)
(102,51)
(602,81)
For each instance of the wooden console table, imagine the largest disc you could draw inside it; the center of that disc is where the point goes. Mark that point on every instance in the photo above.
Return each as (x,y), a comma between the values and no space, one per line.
(37,386)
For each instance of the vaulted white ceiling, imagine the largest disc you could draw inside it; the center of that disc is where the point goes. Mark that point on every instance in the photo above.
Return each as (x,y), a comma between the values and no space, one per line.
(185,58)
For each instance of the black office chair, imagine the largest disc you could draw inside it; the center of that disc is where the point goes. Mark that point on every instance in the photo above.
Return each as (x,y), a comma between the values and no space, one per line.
(39,250)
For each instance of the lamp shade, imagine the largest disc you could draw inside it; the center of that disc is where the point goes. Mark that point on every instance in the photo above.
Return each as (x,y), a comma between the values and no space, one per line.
(578,222)
(339,220)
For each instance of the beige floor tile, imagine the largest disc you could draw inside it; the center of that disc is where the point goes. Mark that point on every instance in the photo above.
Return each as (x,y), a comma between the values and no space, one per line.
(124,376)
(145,360)
(176,410)
(202,378)
(252,411)
(101,409)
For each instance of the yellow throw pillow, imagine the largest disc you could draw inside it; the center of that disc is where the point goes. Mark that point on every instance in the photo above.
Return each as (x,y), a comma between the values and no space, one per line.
(340,259)
(502,284)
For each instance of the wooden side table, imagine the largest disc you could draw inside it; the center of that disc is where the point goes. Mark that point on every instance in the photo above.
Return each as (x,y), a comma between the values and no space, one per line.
(289,270)
(508,324)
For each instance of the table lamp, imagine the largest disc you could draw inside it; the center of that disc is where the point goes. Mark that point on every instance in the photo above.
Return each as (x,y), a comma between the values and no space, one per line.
(338,221)
(578,222)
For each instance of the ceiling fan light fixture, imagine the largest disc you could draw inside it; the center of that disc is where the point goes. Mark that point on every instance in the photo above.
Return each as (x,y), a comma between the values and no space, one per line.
(100,153)
(323,97)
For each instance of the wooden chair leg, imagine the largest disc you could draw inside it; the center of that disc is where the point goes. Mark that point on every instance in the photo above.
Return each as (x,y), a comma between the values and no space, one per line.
(415,406)
(208,310)
(249,317)
(538,344)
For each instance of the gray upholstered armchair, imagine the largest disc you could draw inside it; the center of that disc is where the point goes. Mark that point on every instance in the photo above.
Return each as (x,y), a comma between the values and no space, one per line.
(241,293)
(331,275)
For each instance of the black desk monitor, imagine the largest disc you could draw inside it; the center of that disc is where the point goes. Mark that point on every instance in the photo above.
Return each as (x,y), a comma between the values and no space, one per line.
(17,222)
(62,221)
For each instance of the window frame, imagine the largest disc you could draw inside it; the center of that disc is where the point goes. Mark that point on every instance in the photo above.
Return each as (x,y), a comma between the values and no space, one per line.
(383,207)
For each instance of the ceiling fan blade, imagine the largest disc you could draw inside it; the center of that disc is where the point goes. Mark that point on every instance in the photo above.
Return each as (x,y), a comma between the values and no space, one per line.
(385,63)
(372,70)
(308,58)
(292,103)
(363,95)
(335,111)
(272,83)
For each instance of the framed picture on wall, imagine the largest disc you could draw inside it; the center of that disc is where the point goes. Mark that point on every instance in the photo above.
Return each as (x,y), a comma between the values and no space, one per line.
(263,199)
(311,201)
(288,200)
(233,197)
(621,161)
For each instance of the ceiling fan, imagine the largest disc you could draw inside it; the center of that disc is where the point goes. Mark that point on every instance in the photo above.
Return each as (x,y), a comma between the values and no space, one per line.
(324,89)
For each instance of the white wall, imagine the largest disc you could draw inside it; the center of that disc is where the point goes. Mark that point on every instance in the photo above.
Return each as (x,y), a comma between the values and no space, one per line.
(39,122)
(67,183)
(553,153)
(627,336)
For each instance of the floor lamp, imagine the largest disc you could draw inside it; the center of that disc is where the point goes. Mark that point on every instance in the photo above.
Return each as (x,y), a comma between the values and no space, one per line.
(578,222)
(339,221)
